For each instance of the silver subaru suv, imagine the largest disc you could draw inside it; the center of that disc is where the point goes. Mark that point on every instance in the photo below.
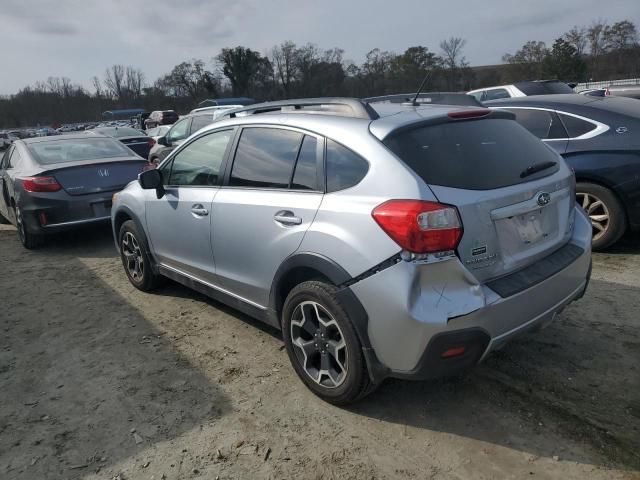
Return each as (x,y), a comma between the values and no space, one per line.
(384,240)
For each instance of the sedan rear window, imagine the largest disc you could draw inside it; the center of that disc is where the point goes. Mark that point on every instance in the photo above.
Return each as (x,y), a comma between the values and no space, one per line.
(120,132)
(77,149)
(474,155)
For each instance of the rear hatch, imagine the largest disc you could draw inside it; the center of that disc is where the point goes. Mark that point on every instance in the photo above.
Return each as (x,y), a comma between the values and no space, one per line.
(513,193)
(97,177)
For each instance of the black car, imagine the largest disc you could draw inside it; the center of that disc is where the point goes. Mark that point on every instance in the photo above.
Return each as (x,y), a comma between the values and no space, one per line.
(49,184)
(136,140)
(599,137)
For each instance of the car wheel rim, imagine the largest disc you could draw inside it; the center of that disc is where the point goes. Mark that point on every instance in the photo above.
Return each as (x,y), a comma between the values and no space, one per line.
(134,262)
(20,226)
(597,211)
(319,344)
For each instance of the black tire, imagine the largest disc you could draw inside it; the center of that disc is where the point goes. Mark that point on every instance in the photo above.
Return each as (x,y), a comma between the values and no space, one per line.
(139,270)
(606,233)
(355,382)
(29,240)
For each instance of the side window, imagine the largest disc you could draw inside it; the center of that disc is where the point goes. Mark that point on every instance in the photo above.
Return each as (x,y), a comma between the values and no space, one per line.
(575,126)
(495,94)
(179,131)
(14,160)
(200,121)
(542,123)
(344,168)
(265,158)
(4,163)
(199,163)
(305,176)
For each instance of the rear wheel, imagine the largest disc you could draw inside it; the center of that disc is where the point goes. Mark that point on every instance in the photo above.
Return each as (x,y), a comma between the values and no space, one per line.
(322,344)
(29,240)
(136,258)
(605,212)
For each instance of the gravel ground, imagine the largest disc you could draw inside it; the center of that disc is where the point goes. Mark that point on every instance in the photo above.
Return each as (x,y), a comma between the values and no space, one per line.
(101,381)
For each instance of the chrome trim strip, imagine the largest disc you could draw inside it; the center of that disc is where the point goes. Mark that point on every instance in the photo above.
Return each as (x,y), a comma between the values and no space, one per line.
(77,222)
(210,285)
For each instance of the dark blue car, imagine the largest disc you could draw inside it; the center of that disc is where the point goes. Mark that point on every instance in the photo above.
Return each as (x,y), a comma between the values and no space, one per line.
(599,137)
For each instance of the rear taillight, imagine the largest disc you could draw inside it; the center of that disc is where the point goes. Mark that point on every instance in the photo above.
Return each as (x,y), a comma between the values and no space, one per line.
(419,226)
(41,184)
(151,142)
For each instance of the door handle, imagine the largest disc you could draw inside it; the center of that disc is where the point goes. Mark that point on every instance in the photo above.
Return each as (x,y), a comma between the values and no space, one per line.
(286,217)
(199,210)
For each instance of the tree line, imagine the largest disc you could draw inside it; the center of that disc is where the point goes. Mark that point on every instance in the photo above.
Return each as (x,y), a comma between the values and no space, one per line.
(601,51)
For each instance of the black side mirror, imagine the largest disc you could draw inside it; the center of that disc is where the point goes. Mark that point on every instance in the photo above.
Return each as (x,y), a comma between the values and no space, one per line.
(152,180)
(164,141)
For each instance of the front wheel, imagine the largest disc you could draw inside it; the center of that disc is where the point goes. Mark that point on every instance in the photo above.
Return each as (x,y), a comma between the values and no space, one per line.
(322,344)
(605,212)
(136,258)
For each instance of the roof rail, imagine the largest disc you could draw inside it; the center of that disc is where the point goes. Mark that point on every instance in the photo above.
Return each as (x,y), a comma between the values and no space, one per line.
(428,98)
(344,107)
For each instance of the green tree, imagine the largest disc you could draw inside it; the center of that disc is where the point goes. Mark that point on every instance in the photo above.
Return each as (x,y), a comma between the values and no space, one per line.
(528,60)
(240,65)
(564,63)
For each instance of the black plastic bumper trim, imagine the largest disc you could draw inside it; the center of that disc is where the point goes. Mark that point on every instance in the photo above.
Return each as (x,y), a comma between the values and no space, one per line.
(533,274)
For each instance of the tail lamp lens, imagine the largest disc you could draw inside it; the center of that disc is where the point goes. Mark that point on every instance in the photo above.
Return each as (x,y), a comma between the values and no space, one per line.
(41,184)
(420,226)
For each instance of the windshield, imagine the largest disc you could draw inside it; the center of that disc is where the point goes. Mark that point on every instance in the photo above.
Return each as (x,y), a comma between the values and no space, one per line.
(77,149)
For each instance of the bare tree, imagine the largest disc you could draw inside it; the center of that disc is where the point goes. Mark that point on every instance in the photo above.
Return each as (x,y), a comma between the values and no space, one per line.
(620,35)
(114,81)
(577,38)
(595,37)
(97,86)
(134,81)
(453,59)
(284,59)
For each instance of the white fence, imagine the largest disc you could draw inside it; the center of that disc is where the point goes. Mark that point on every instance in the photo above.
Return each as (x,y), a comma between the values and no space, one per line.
(607,83)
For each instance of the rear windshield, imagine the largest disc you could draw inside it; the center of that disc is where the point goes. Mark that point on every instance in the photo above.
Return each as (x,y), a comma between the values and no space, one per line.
(77,149)
(543,88)
(120,132)
(474,155)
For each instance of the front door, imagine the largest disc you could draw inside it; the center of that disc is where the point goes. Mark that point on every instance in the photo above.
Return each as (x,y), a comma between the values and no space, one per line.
(260,217)
(179,223)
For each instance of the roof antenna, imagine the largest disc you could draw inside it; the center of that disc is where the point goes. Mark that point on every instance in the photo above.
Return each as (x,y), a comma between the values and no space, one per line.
(414,102)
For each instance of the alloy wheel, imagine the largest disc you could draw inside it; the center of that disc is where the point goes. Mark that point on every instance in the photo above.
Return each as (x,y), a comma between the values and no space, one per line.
(133,259)
(20,226)
(597,211)
(319,344)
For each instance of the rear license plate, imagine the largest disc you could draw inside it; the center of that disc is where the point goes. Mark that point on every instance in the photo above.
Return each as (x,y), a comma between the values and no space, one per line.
(101,209)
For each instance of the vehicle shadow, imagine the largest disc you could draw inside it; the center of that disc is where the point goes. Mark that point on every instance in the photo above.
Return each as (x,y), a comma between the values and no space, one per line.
(87,380)
(577,379)
(629,243)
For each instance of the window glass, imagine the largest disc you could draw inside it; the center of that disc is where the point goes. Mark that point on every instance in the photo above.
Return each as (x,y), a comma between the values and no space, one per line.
(199,163)
(344,168)
(200,121)
(74,149)
(179,131)
(265,158)
(575,126)
(305,176)
(542,123)
(495,94)
(15,158)
(474,155)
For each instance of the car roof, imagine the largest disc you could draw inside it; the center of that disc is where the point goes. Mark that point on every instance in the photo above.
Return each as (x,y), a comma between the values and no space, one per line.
(549,100)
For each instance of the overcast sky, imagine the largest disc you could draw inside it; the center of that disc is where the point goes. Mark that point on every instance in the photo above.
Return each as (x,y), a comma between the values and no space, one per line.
(80,38)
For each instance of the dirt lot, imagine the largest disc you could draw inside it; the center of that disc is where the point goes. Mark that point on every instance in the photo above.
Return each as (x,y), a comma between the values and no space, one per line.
(100,381)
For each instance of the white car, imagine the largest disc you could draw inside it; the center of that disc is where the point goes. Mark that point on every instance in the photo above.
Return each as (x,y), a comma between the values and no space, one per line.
(216,110)
(159,131)
(521,89)
(6,139)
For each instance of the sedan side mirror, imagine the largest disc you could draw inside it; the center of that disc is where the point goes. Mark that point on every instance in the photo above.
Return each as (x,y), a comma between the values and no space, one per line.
(152,180)
(164,141)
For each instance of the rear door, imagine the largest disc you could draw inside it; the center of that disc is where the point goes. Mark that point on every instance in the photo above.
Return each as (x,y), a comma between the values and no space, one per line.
(514,194)
(271,196)
(179,223)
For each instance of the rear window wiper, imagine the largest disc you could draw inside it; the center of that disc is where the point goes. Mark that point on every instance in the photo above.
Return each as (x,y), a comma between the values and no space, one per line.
(535,168)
